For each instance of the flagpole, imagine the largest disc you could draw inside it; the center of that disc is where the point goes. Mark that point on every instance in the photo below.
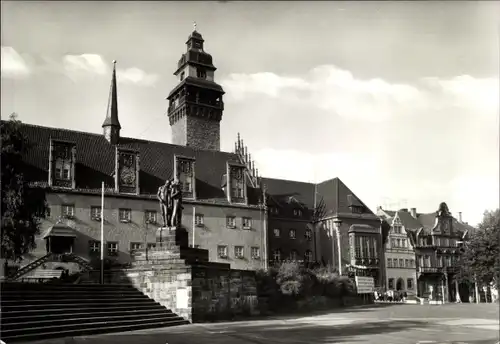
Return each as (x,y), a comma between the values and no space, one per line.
(194,222)
(102,234)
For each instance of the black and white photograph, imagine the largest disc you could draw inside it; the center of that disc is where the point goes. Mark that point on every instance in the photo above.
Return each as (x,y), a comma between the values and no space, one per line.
(254,172)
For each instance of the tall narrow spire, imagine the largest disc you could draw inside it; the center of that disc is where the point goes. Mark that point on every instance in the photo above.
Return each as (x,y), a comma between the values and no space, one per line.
(111,125)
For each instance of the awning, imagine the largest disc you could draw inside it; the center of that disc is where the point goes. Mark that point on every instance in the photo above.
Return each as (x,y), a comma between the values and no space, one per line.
(60,230)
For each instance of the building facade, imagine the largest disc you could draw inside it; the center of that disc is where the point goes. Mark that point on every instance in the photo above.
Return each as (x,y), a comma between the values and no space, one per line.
(240,217)
(434,238)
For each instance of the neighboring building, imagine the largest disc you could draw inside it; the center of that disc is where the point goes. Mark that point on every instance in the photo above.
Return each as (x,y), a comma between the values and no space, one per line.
(400,261)
(325,222)
(228,209)
(435,239)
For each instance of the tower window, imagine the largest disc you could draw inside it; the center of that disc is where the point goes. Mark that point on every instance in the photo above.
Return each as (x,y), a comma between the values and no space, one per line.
(201,73)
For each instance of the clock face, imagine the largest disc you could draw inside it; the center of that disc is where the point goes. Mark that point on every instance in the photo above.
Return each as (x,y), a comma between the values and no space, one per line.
(127,176)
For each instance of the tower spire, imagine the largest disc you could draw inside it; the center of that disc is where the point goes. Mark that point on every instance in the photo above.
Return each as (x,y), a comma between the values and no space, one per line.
(111,125)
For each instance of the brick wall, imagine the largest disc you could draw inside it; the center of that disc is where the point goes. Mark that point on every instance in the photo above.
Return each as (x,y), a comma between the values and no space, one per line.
(179,132)
(202,133)
(211,234)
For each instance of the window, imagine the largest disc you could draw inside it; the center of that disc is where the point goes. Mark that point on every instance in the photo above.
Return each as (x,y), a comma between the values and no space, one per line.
(398,242)
(391,283)
(151,245)
(356,209)
(68,211)
(277,232)
(412,263)
(397,229)
(112,248)
(150,216)
(297,212)
(308,256)
(62,155)
(222,251)
(273,210)
(185,174)
(447,261)
(94,247)
(403,243)
(255,252)
(401,263)
(357,246)
(446,242)
(292,233)
(201,73)
(124,215)
(453,243)
(95,213)
(407,263)
(393,242)
(199,220)
(308,234)
(231,222)
(277,254)
(427,261)
(183,74)
(238,252)
(247,223)
(389,262)
(134,246)
(440,261)
(366,249)
(409,283)
(293,255)
(395,263)
(237,184)
(373,248)
(63,169)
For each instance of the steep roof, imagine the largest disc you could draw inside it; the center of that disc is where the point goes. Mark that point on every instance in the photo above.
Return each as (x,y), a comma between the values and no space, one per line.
(338,197)
(95,162)
(289,193)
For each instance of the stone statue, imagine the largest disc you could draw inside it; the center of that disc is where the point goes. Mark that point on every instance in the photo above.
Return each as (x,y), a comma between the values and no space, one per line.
(176,199)
(443,209)
(163,196)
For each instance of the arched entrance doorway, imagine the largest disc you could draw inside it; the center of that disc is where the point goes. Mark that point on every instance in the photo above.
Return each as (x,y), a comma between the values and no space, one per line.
(400,284)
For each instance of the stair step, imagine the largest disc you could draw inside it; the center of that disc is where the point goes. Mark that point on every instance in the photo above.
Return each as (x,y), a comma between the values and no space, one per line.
(69,295)
(90,324)
(62,286)
(69,298)
(66,311)
(93,331)
(73,305)
(70,314)
(82,320)
(135,298)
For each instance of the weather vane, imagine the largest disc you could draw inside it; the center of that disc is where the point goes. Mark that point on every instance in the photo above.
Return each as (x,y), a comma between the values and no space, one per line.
(194,26)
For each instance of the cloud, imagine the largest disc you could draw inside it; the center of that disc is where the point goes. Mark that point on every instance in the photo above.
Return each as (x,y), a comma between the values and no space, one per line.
(13,65)
(136,76)
(339,92)
(88,65)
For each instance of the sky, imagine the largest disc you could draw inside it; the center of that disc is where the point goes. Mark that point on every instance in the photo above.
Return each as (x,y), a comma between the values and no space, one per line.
(400,100)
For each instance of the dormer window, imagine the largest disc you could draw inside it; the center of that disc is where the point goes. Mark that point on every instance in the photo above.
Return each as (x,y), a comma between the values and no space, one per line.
(185,172)
(201,73)
(356,209)
(297,212)
(237,184)
(127,171)
(183,74)
(62,163)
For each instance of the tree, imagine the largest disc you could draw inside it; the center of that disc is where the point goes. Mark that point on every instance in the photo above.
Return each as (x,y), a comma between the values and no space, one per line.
(23,207)
(481,254)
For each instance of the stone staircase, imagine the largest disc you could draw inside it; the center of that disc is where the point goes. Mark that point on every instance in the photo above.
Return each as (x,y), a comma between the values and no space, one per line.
(44,311)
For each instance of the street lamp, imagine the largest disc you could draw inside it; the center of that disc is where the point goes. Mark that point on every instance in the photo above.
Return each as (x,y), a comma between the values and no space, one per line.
(476,288)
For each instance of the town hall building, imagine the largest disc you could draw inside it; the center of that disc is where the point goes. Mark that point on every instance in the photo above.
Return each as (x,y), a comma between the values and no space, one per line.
(240,217)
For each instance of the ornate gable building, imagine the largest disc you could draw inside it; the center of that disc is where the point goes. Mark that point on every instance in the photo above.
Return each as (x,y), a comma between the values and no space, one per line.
(434,241)
(241,218)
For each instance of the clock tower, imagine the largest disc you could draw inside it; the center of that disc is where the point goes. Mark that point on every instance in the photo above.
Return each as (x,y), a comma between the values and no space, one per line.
(195,104)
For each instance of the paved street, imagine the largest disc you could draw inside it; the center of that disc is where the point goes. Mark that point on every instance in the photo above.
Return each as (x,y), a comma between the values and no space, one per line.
(378,324)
